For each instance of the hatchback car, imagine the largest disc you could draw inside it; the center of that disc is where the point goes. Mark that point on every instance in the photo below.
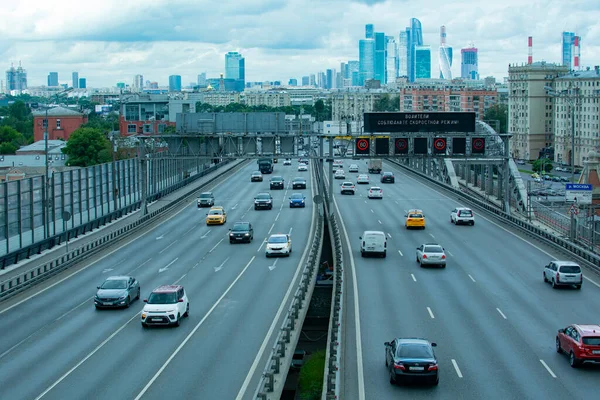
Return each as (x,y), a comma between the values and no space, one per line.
(375,193)
(388,177)
(339,174)
(431,254)
(206,199)
(353,168)
(279,245)
(277,182)
(287,161)
(580,342)
(563,273)
(348,188)
(299,183)
(263,200)
(216,216)
(302,167)
(363,179)
(411,359)
(241,232)
(462,215)
(297,200)
(415,219)
(256,177)
(117,291)
(166,305)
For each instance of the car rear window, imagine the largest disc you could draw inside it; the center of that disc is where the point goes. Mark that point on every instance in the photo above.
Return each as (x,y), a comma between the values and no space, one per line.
(415,216)
(592,341)
(465,213)
(433,249)
(414,351)
(570,269)
(373,236)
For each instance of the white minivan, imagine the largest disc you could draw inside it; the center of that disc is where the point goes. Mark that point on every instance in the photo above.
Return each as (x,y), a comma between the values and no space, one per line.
(373,242)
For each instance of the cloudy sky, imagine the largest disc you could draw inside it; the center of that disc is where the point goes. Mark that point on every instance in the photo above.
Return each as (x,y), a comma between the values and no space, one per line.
(110,41)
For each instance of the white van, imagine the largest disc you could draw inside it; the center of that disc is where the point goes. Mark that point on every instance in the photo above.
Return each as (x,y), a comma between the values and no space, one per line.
(373,242)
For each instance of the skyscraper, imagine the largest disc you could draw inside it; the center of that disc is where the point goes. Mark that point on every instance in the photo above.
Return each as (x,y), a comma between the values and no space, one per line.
(75,80)
(175,83)
(202,79)
(445,56)
(403,53)
(16,79)
(330,79)
(366,58)
(235,68)
(415,38)
(568,38)
(305,81)
(353,68)
(391,62)
(322,80)
(469,64)
(369,29)
(380,58)
(293,82)
(422,62)
(138,83)
(312,81)
(53,79)
(82,83)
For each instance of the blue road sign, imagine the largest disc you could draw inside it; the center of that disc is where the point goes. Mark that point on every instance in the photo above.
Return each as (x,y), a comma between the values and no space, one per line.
(579,186)
(580,193)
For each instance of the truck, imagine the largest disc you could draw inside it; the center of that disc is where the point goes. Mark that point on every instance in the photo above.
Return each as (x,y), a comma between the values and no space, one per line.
(375,165)
(265,165)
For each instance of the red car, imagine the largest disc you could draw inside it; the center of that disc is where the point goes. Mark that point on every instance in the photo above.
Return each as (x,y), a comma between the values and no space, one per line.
(580,342)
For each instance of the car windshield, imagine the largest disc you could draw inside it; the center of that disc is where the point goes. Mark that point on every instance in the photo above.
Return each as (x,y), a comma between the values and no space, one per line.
(215,212)
(465,213)
(256,173)
(414,351)
(263,196)
(415,215)
(297,196)
(592,341)
(277,239)
(299,180)
(114,284)
(276,179)
(570,269)
(162,298)
(240,227)
(433,249)
(205,196)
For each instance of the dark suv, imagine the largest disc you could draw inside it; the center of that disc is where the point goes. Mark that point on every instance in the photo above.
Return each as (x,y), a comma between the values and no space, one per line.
(241,232)
(299,183)
(387,177)
(263,200)
(277,182)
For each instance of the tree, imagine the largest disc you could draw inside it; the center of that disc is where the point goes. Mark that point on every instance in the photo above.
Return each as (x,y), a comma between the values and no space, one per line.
(542,162)
(387,103)
(319,109)
(498,112)
(7,148)
(87,146)
(170,129)
(10,136)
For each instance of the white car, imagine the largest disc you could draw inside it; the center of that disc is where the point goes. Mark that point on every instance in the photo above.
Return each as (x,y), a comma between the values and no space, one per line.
(353,168)
(563,273)
(375,193)
(348,187)
(287,162)
(167,305)
(339,174)
(363,179)
(302,167)
(462,215)
(279,245)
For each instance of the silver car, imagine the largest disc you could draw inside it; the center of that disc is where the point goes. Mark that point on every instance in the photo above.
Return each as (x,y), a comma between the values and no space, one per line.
(563,273)
(117,291)
(431,254)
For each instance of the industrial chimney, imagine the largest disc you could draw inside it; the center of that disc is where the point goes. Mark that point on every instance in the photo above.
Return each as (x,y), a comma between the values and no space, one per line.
(530,51)
(576,55)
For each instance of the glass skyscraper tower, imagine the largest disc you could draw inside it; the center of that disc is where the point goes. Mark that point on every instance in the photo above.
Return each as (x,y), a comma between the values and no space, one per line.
(415,38)
(366,60)
(235,68)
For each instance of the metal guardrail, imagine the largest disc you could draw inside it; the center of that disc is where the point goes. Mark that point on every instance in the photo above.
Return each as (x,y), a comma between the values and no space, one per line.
(289,332)
(526,227)
(17,284)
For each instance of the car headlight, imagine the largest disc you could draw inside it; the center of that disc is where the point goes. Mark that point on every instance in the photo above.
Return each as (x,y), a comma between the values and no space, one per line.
(247,234)
(123,297)
(143,315)
(231,234)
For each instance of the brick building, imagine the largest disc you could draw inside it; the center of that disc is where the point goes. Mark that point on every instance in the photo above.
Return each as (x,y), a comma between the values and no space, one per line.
(61,123)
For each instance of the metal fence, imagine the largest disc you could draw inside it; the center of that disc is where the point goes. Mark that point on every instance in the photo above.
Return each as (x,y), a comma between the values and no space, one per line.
(80,196)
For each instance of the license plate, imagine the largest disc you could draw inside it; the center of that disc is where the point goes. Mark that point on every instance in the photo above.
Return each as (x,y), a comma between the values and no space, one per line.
(238,238)
(595,351)
(417,368)
(156,319)
(106,304)
(370,248)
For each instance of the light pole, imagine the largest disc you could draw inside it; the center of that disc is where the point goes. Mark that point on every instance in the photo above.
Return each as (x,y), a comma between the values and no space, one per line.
(571,99)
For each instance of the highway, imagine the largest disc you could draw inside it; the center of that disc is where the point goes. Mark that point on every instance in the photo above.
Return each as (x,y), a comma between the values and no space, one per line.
(489,311)
(55,345)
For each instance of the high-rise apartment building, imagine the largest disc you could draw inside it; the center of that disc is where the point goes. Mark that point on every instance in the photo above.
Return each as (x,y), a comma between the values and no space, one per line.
(422,62)
(16,79)
(82,83)
(305,81)
(235,68)
(293,82)
(353,68)
(330,79)
(366,60)
(415,39)
(53,79)
(322,80)
(403,54)
(469,68)
(445,56)
(202,79)
(391,63)
(380,58)
(75,80)
(312,80)
(369,31)
(138,83)
(175,83)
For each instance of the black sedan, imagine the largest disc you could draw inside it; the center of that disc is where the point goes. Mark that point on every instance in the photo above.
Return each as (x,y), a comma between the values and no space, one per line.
(387,177)
(411,359)
(299,183)
(117,291)
(241,232)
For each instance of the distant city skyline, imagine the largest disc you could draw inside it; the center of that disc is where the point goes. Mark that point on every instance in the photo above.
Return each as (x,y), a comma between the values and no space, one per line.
(106,47)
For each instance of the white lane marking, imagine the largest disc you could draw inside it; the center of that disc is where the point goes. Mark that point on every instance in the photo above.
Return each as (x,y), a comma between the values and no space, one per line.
(372,211)
(430,312)
(163,250)
(396,202)
(548,368)
(277,217)
(69,372)
(501,313)
(272,226)
(234,207)
(215,246)
(189,336)
(473,279)
(107,270)
(390,236)
(413,276)
(205,235)
(449,253)
(591,281)
(168,265)
(401,255)
(72,309)
(379,221)
(160,237)
(191,229)
(261,245)
(460,375)
(431,234)
(366,203)
(180,279)
(195,265)
(274,265)
(217,269)
(22,341)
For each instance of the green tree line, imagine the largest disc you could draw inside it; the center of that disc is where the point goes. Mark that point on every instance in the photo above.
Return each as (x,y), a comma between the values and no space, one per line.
(321,110)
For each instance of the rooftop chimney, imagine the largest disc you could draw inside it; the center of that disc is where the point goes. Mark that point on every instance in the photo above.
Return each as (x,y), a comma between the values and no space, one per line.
(576,53)
(530,51)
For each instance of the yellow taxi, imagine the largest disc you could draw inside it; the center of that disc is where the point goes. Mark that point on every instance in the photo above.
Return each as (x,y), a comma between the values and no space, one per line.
(216,216)
(415,219)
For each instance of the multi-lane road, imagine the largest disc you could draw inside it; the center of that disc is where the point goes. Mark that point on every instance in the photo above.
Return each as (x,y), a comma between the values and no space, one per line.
(489,311)
(55,345)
